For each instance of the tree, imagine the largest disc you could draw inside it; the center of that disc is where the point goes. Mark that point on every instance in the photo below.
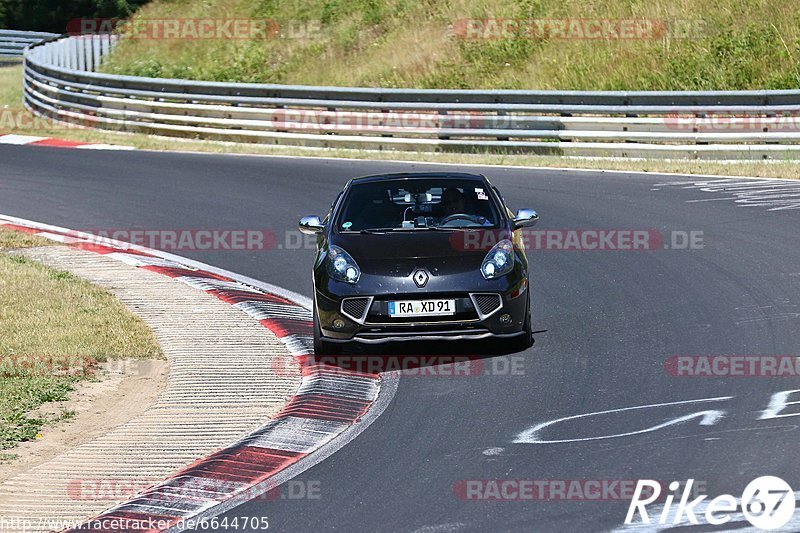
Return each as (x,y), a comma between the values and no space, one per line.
(54,15)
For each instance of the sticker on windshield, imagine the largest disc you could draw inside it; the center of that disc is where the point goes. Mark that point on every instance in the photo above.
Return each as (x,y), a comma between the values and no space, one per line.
(347,225)
(481,194)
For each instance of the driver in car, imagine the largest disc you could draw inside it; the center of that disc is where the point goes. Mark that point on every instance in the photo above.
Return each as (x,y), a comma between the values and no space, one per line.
(453,202)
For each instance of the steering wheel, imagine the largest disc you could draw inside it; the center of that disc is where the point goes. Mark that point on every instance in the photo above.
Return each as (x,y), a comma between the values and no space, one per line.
(456,216)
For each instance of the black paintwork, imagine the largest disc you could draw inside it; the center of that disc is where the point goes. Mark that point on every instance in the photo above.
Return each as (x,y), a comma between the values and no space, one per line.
(389,260)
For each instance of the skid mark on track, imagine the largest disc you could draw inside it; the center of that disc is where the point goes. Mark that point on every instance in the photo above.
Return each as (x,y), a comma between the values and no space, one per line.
(775,195)
(781,312)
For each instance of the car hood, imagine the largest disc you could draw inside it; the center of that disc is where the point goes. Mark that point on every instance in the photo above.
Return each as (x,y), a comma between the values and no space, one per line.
(400,246)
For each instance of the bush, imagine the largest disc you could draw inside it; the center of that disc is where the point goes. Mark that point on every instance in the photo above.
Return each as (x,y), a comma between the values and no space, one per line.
(53,15)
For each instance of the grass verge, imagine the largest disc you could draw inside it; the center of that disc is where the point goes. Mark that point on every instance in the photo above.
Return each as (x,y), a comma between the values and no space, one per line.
(552,44)
(15,119)
(55,329)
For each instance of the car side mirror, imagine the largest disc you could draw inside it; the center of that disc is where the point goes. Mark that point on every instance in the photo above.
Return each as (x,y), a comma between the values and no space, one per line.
(525,218)
(311,225)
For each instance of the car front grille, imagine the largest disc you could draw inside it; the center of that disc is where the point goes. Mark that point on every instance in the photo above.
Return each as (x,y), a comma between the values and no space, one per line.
(355,308)
(487,303)
(378,314)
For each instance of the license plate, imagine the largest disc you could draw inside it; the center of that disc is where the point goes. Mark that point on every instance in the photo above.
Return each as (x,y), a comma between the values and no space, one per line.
(409,308)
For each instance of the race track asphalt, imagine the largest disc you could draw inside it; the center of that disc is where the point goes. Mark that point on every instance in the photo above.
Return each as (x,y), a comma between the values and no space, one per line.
(610,320)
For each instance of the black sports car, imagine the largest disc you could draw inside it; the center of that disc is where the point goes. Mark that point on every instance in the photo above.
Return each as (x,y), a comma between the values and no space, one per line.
(434,256)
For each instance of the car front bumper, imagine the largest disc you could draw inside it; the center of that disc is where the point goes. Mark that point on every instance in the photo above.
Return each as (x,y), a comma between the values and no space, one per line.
(455,335)
(374,326)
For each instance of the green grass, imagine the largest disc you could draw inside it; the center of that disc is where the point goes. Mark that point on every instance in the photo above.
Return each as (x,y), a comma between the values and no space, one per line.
(54,331)
(18,239)
(19,396)
(742,44)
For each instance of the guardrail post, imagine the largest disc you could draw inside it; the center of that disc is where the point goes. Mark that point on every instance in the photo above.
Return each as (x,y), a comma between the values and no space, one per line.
(105,41)
(89,41)
(502,114)
(81,53)
(72,53)
(96,52)
(443,118)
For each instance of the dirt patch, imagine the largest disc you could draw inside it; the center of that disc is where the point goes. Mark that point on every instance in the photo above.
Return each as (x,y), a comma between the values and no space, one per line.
(124,390)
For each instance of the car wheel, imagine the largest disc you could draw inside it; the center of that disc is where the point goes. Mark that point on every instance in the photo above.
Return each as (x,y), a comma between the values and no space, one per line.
(321,347)
(524,341)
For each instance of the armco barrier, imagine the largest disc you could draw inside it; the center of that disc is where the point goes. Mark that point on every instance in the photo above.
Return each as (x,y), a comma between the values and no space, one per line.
(61,81)
(13,42)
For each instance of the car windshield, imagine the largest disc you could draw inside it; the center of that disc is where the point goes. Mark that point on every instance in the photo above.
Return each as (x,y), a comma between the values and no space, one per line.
(419,204)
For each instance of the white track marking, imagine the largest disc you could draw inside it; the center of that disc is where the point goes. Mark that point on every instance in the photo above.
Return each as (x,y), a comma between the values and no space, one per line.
(104,147)
(707,418)
(19,139)
(776,195)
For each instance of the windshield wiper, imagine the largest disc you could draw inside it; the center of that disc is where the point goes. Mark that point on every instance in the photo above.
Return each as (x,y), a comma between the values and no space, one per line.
(371,231)
(454,228)
(378,231)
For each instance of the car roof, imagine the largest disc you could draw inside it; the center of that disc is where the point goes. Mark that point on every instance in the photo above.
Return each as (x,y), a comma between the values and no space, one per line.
(419,175)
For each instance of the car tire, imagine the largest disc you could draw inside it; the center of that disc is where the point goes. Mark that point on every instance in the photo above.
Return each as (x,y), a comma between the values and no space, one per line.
(320,346)
(523,342)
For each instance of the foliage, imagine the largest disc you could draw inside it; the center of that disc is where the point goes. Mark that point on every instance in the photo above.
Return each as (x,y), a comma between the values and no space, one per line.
(53,15)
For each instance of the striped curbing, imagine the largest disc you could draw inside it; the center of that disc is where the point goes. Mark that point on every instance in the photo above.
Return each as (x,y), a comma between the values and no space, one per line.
(208,402)
(33,140)
(328,405)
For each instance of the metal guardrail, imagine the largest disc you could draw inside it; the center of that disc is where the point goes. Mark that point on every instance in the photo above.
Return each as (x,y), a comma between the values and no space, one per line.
(61,81)
(13,42)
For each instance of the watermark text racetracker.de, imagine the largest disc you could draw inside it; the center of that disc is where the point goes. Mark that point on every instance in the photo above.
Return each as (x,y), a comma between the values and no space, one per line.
(579,29)
(209,239)
(411,365)
(68,365)
(553,489)
(12,119)
(571,239)
(731,122)
(178,490)
(732,366)
(32,365)
(204,28)
(255,239)
(591,239)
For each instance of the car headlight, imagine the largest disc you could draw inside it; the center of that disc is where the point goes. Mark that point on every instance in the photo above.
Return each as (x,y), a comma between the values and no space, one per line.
(499,261)
(341,266)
